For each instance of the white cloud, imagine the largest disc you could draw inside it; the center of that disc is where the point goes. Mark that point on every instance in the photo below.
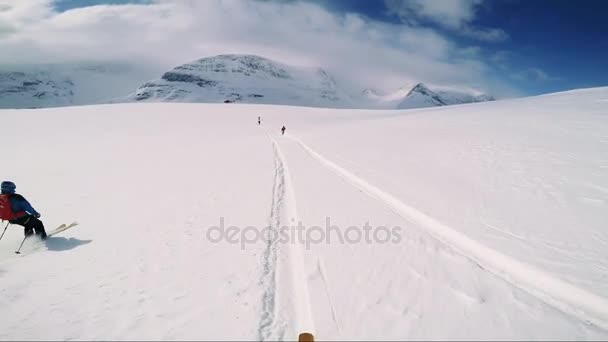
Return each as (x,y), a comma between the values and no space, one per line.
(500,60)
(534,74)
(451,13)
(485,34)
(425,41)
(17,14)
(359,51)
(455,15)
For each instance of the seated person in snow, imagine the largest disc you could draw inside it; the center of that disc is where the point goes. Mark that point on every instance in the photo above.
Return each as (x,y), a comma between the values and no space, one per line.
(23,212)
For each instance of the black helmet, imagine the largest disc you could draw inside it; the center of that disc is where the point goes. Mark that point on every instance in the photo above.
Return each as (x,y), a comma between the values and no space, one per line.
(8,187)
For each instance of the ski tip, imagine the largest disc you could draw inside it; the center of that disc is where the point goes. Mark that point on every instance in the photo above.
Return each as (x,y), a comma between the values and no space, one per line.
(306,337)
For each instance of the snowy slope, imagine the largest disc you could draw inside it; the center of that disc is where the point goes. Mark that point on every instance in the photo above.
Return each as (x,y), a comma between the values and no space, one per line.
(42,86)
(246,79)
(501,210)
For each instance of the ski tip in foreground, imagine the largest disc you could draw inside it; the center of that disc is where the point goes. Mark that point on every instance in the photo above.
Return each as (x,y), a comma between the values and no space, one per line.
(306,337)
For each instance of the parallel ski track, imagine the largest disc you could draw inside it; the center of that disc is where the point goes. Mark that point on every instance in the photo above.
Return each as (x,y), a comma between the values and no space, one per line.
(285,302)
(587,306)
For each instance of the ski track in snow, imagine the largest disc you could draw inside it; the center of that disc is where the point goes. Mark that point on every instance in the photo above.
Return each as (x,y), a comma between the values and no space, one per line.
(285,303)
(584,305)
(322,272)
(268,327)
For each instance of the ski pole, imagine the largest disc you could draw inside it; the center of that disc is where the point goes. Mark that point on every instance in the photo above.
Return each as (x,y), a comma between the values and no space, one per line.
(17,252)
(1,236)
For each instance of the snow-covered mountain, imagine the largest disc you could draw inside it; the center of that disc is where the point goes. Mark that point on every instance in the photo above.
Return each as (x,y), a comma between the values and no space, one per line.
(216,79)
(451,96)
(27,86)
(246,79)
(34,89)
(255,79)
(422,95)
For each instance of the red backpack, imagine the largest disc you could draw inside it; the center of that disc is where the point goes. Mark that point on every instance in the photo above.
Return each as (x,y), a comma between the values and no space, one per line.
(6,210)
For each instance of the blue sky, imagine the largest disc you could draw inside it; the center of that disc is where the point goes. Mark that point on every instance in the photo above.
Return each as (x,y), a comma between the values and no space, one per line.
(567,40)
(523,47)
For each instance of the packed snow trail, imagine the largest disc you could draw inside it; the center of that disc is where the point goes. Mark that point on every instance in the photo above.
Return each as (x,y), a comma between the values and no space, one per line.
(269,327)
(571,299)
(286,304)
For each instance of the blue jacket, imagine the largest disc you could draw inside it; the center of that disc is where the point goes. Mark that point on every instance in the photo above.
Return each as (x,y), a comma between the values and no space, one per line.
(19,203)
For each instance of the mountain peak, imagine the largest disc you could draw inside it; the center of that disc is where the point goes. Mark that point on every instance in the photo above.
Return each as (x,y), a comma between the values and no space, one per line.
(421,96)
(420,88)
(237,57)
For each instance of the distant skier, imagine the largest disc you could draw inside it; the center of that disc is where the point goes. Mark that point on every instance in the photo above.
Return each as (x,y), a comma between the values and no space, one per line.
(17,210)
(283,130)
(259,120)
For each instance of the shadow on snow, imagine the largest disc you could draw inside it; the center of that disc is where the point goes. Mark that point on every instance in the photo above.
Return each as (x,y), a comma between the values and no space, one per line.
(55,243)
